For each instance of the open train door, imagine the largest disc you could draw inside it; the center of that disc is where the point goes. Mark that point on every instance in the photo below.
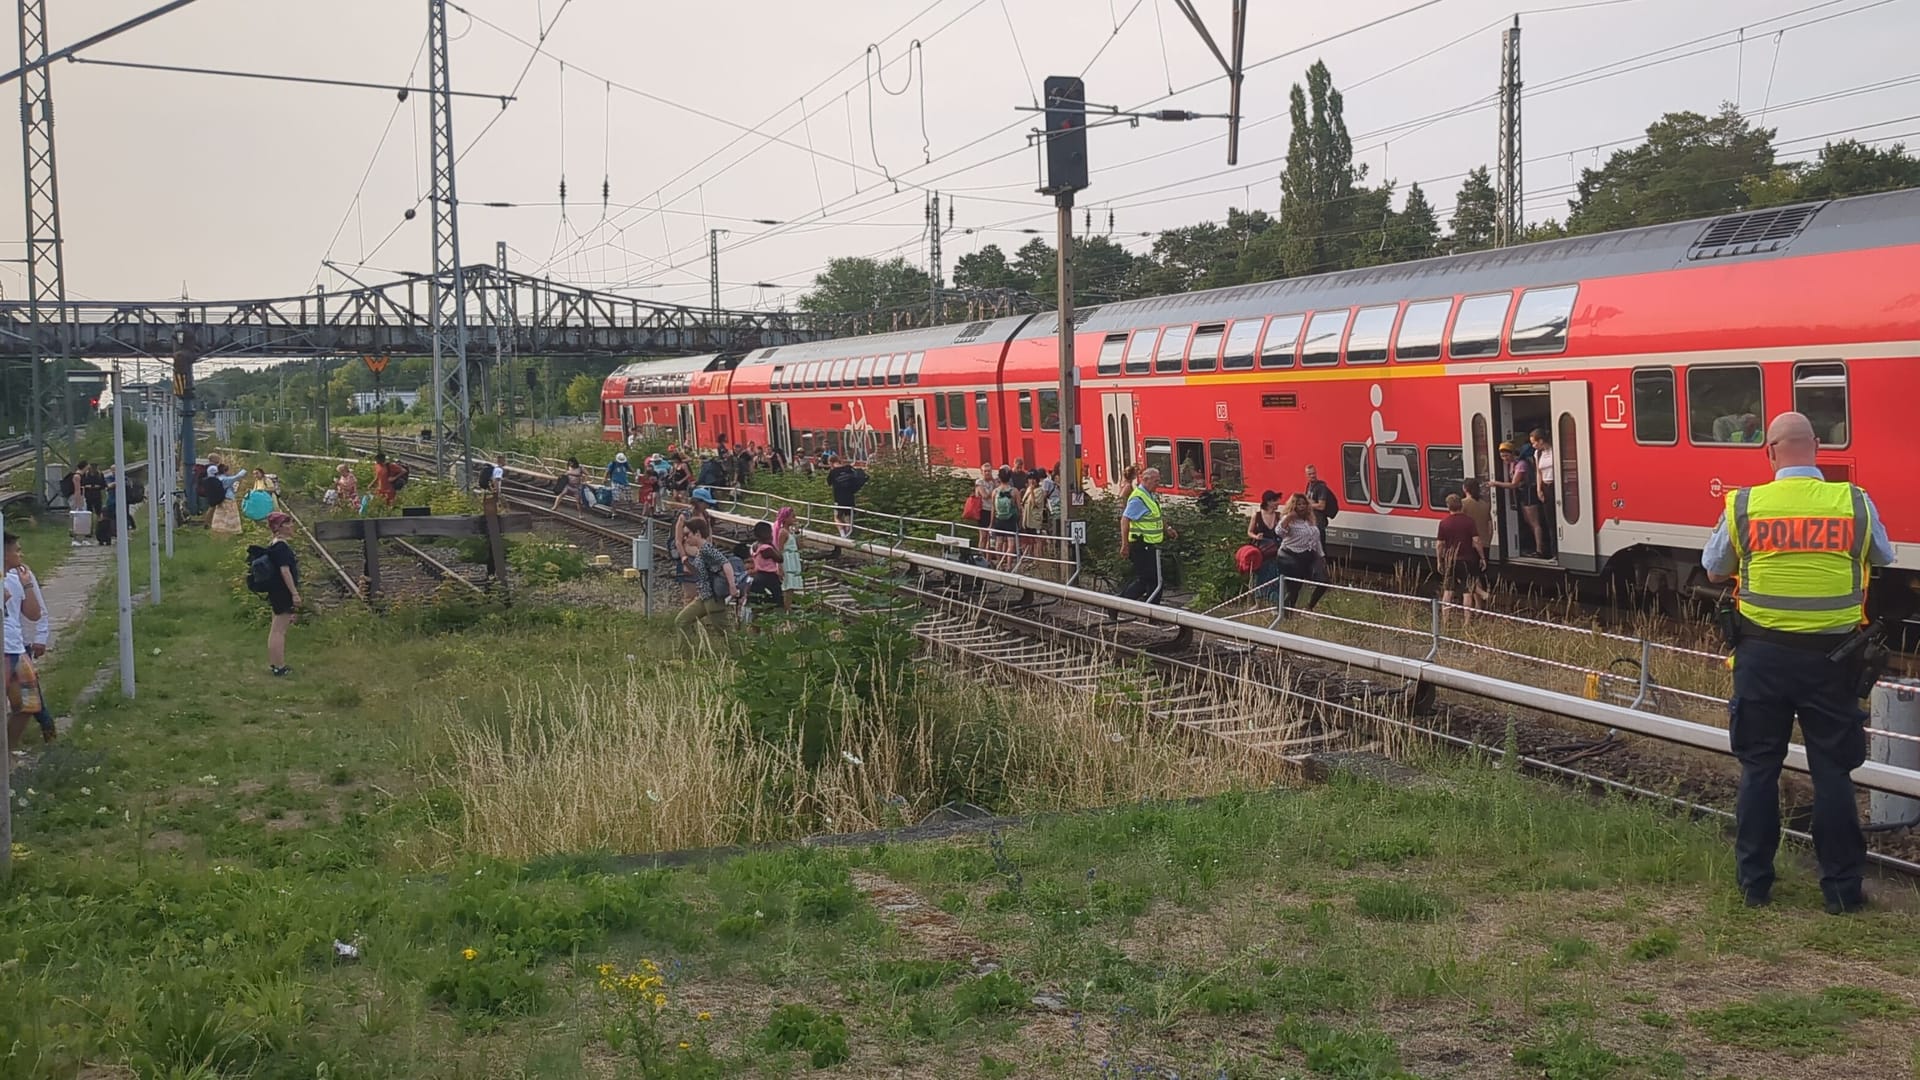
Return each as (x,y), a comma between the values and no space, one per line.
(689,430)
(1477,440)
(1575,548)
(779,430)
(1116,424)
(910,413)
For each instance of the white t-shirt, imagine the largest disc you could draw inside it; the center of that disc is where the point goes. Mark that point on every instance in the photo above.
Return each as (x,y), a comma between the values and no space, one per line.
(1543,464)
(15,630)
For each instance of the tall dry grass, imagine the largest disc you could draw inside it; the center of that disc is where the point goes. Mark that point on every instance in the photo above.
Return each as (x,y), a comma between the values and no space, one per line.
(666,761)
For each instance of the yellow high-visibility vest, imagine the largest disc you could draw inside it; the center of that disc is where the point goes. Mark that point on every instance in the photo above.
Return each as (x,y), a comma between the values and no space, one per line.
(1151,529)
(1802,545)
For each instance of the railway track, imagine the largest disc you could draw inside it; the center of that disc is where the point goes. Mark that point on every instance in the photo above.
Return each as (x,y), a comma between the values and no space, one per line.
(1221,691)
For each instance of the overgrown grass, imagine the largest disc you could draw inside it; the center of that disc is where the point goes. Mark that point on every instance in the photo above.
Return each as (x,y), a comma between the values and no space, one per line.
(192,857)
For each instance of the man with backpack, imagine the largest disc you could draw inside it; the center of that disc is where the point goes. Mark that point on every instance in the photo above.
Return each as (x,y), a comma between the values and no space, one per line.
(845,481)
(274,572)
(713,581)
(1324,504)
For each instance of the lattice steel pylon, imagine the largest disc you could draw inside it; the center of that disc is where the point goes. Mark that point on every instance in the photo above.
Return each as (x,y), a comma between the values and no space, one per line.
(46,261)
(1511,221)
(451,405)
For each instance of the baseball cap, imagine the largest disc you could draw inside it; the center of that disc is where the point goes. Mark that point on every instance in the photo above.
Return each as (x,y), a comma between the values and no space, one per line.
(704,495)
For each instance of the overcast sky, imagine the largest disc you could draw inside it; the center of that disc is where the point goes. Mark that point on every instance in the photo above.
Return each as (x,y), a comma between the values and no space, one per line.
(234,189)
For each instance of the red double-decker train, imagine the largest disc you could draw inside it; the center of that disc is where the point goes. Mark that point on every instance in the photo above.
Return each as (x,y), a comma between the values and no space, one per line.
(1651,358)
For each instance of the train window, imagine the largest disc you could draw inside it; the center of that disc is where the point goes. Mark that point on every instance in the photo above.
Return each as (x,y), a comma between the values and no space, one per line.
(1159,456)
(1353,473)
(1191,459)
(1421,329)
(1446,471)
(775,382)
(843,372)
(864,376)
(1139,350)
(940,411)
(1724,406)
(1225,458)
(741,409)
(1656,422)
(1396,474)
(703,412)
(957,411)
(1242,340)
(1173,345)
(1049,410)
(1476,330)
(1371,329)
(1540,326)
(1482,465)
(1820,392)
(1206,347)
(913,368)
(823,374)
(1111,350)
(980,410)
(1283,333)
(896,367)
(1026,410)
(1322,346)
(1566,468)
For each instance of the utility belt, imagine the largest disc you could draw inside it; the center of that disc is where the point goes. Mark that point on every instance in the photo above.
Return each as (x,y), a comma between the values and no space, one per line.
(1861,652)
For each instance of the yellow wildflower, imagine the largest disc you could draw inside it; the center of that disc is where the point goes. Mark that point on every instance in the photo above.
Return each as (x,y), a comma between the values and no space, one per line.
(659,1001)
(605,969)
(469,953)
(704,1016)
(686,1046)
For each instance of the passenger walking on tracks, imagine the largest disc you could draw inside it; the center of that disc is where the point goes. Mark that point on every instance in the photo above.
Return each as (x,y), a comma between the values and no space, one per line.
(1322,501)
(685,548)
(845,481)
(573,485)
(346,487)
(1799,550)
(282,588)
(1457,554)
(383,474)
(1144,538)
(787,539)
(93,487)
(1302,558)
(764,561)
(1474,505)
(620,475)
(1263,532)
(497,476)
(713,583)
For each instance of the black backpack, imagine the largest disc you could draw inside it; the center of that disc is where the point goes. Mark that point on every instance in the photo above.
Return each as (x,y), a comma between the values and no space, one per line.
(260,572)
(400,475)
(136,492)
(212,491)
(1333,502)
(67,486)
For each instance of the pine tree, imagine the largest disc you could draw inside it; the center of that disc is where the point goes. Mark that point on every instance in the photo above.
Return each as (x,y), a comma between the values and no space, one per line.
(1475,211)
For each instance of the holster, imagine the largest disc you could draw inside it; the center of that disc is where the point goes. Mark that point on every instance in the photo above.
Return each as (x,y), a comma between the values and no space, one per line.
(1727,615)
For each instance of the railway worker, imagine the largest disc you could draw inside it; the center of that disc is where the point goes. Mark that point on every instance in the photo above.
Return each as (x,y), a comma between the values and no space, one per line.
(1144,539)
(1799,549)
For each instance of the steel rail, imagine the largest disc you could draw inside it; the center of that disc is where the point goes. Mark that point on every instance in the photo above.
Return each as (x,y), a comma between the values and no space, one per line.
(1873,775)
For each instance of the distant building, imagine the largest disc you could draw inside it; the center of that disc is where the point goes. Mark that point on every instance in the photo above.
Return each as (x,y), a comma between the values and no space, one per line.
(368,401)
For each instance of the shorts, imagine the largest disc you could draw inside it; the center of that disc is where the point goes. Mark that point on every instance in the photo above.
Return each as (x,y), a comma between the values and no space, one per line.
(1006,526)
(1463,574)
(280,601)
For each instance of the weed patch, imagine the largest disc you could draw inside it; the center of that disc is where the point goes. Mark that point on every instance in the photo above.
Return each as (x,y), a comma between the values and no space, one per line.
(1797,1024)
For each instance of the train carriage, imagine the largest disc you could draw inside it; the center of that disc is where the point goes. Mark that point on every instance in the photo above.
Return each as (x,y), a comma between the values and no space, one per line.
(1651,358)
(668,397)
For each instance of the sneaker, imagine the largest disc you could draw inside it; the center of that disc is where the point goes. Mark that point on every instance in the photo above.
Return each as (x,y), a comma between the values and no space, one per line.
(280,671)
(1847,906)
(1759,898)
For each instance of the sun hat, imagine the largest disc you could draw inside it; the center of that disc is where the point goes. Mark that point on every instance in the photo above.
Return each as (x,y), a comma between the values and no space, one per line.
(621,458)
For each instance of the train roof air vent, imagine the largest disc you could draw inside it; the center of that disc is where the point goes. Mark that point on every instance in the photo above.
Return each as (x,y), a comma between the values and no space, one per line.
(1752,233)
(973,331)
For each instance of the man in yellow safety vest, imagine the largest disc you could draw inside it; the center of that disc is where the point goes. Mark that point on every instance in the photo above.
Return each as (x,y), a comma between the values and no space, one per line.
(1143,539)
(1799,549)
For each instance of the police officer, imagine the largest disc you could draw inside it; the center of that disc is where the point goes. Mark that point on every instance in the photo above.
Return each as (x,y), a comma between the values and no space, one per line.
(1143,540)
(1800,548)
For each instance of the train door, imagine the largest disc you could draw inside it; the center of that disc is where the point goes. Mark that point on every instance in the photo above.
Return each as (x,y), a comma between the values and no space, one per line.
(1116,423)
(1575,546)
(689,430)
(779,431)
(1479,442)
(910,414)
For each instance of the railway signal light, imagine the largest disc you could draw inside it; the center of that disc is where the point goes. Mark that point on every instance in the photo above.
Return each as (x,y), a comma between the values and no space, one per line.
(1066,135)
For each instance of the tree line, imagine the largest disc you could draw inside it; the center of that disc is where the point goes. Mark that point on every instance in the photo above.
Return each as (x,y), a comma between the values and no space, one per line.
(1331,217)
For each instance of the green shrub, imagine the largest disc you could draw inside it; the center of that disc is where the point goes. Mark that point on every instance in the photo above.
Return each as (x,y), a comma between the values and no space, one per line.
(821,1036)
(1399,902)
(481,987)
(994,992)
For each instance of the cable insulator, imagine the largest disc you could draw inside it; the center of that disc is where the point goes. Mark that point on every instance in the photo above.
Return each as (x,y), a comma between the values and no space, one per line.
(563,190)
(606,190)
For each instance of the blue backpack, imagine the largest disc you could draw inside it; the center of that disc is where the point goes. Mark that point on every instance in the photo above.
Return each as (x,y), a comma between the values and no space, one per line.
(257,505)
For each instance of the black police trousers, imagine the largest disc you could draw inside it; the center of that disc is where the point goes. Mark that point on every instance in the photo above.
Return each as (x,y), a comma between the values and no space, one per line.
(1772,684)
(1146,583)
